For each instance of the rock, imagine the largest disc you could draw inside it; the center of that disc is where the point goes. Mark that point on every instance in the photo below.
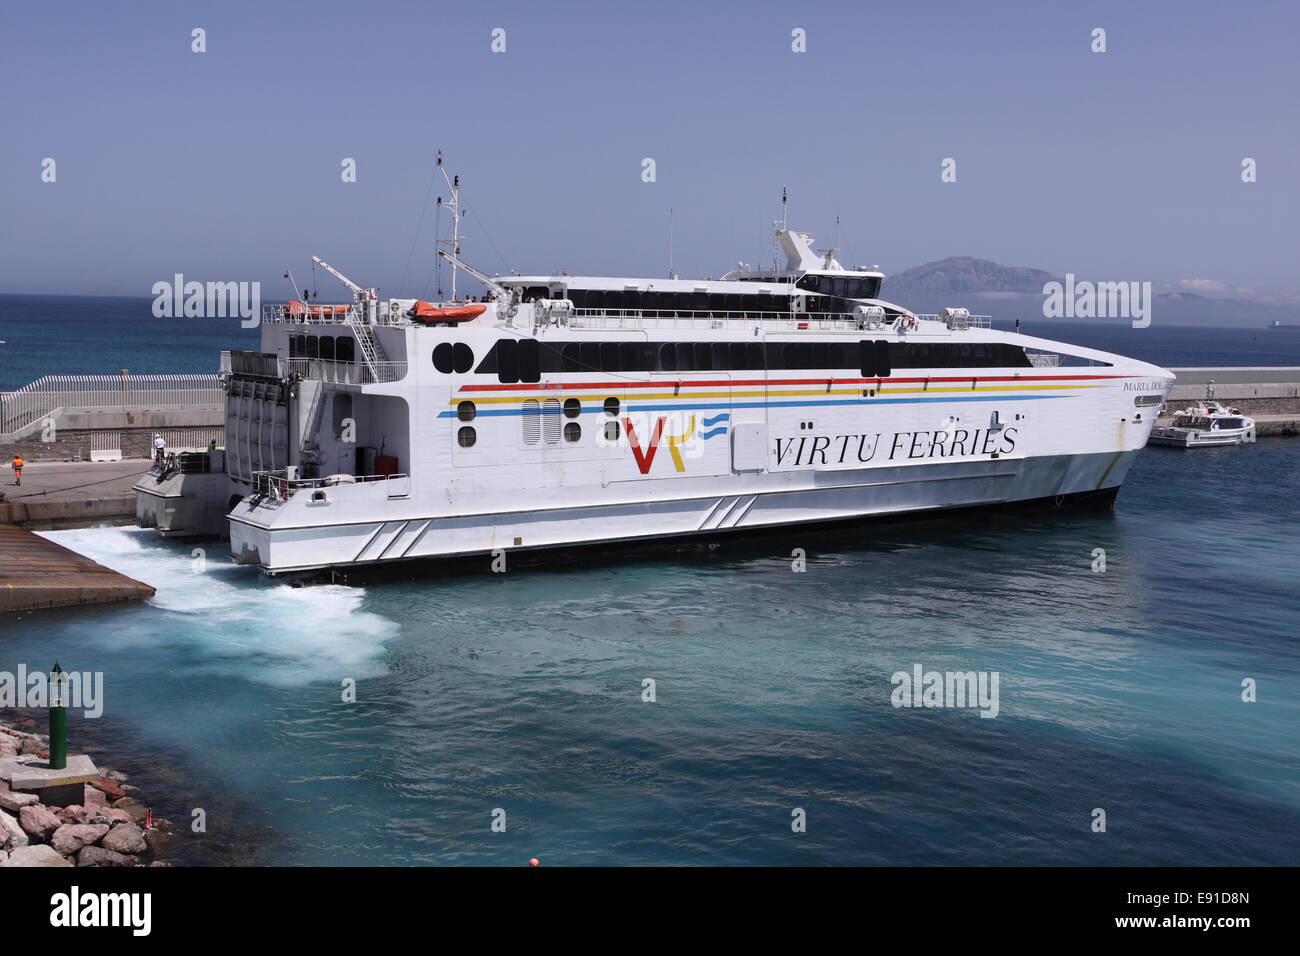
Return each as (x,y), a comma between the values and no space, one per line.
(116,815)
(125,838)
(108,787)
(136,811)
(30,745)
(94,798)
(125,802)
(39,822)
(71,837)
(75,813)
(16,801)
(12,835)
(38,855)
(7,748)
(116,775)
(98,856)
(159,842)
(4,855)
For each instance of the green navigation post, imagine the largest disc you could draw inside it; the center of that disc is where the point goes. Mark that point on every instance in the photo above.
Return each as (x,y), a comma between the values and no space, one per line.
(58,719)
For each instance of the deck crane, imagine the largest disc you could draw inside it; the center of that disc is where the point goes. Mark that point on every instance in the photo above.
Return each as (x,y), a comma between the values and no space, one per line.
(504,295)
(366,299)
(367,309)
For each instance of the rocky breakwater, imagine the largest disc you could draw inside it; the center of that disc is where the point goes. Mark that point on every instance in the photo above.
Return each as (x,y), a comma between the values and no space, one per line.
(110,827)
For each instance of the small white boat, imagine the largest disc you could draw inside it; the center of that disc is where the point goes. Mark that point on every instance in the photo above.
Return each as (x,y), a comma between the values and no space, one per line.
(1208,423)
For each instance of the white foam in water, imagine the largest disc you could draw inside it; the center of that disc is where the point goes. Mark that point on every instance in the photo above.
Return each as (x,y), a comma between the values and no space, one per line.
(241,622)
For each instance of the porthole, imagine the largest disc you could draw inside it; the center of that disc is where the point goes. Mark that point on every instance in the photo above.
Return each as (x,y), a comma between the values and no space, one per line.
(611,431)
(572,408)
(465,411)
(572,431)
(611,407)
(466,437)
(442,358)
(462,358)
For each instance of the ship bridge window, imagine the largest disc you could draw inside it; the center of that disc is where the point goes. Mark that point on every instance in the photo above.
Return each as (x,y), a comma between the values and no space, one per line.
(961,355)
(327,347)
(668,357)
(845,287)
(345,350)
(570,358)
(313,347)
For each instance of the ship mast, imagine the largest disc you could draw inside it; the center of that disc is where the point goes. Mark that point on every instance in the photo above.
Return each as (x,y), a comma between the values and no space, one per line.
(453,184)
(778,227)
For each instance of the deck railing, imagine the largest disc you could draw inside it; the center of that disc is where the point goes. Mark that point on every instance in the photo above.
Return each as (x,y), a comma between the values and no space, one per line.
(278,484)
(778,321)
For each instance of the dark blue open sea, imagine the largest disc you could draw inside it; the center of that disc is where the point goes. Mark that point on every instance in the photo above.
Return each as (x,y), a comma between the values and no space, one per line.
(1119,690)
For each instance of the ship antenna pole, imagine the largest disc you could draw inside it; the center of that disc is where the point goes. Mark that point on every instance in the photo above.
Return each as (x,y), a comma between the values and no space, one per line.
(780,227)
(670,242)
(453,184)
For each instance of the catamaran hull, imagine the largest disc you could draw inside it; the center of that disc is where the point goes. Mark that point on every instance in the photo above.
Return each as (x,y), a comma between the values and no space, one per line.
(830,497)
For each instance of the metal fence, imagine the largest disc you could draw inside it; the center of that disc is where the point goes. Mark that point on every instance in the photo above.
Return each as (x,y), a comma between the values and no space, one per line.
(46,395)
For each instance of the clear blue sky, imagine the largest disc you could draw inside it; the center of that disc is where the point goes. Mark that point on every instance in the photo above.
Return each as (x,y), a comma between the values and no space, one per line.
(225,165)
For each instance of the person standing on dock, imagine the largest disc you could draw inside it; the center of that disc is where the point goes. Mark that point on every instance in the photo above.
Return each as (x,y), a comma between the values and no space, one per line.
(18,468)
(159,447)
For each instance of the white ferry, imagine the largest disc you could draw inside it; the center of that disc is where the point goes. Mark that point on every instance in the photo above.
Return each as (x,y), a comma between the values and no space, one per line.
(565,411)
(1206,425)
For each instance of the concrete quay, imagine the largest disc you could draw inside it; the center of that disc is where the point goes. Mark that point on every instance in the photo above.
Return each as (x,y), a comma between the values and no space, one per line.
(37,573)
(73,494)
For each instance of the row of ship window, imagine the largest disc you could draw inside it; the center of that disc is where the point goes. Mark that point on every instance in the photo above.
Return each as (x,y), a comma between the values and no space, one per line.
(735,304)
(671,303)
(526,360)
(327,347)
(542,422)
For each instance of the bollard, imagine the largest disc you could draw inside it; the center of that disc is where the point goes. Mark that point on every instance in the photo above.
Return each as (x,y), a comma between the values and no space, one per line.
(58,720)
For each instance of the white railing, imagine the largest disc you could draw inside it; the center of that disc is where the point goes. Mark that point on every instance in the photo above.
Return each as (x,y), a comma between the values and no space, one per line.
(344,373)
(779,321)
(195,438)
(321,370)
(50,393)
(330,315)
(278,484)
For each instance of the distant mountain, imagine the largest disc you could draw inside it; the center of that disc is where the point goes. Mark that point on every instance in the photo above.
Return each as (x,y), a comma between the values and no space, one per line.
(1017,292)
(964,275)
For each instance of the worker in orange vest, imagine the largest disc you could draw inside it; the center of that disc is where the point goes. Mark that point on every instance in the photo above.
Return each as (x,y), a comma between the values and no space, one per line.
(18,468)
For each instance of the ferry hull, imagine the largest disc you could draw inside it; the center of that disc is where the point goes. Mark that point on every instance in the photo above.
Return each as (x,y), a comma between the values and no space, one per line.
(830,497)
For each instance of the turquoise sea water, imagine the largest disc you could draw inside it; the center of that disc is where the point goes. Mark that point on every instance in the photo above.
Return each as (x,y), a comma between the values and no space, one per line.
(1118,690)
